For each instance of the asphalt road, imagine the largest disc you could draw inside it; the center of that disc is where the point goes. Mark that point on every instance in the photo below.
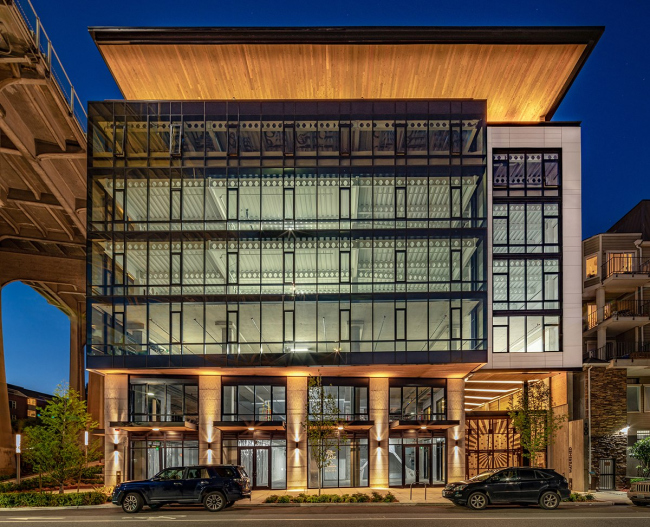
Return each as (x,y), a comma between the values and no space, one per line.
(337,516)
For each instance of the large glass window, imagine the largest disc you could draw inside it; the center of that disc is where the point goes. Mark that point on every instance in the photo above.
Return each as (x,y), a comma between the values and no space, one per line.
(164,399)
(417,403)
(152,453)
(248,402)
(352,401)
(348,466)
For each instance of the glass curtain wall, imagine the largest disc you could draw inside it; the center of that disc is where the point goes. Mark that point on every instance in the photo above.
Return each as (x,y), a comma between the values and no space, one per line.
(243,401)
(286,228)
(149,454)
(163,399)
(527,261)
(347,466)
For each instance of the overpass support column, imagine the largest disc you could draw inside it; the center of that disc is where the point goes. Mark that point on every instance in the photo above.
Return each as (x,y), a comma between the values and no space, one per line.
(6,437)
(77,362)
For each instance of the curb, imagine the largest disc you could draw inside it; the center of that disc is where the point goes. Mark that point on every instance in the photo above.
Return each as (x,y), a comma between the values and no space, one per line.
(13,509)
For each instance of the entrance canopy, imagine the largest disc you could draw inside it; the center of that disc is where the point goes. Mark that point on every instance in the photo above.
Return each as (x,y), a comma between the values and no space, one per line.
(523,72)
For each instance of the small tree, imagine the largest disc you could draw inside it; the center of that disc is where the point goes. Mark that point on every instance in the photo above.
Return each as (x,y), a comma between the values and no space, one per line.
(641,452)
(532,416)
(56,445)
(321,426)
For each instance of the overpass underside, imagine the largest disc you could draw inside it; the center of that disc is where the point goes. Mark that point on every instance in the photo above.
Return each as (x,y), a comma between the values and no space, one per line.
(42,185)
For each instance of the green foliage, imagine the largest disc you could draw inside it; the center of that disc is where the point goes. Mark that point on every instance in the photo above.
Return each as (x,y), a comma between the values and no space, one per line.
(533,418)
(56,445)
(641,452)
(321,426)
(39,499)
(358,497)
(575,496)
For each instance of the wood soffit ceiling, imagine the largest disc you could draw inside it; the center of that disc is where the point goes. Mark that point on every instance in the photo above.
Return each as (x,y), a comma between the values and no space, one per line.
(523,73)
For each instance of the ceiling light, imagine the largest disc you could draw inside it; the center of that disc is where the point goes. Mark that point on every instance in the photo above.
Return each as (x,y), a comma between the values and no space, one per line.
(340,428)
(251,428)
(489,390)
(479,397)
(499,382)
(156,429)
(423,427)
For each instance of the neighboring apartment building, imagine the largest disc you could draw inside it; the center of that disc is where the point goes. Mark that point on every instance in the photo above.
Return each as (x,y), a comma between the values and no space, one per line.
(616,296)
(358,203)
(25,404)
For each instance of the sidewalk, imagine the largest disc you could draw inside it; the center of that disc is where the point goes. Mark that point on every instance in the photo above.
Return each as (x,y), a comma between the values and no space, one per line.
(617,497)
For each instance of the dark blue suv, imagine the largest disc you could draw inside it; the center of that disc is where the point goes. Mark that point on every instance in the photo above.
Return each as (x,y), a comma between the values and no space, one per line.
(214,486)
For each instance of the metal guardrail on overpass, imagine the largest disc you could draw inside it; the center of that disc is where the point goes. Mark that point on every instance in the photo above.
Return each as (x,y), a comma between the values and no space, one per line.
(43,45)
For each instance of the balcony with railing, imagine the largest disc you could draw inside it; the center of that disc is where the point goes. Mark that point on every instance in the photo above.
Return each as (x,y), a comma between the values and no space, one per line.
(619,273)
(618,350)
(618,316)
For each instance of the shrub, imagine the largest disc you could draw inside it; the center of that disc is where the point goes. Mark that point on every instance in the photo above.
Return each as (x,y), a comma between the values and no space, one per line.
(273,498)
(390,498)
(361,497)
(39,499)
(353,499)
(589,496)
(376,497)
(284,499)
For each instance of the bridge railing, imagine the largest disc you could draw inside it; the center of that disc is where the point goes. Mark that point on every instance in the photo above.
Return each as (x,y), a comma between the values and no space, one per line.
(43,44)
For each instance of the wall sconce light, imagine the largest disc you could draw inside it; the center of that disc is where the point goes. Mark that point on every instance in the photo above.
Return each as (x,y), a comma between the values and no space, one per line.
(297,444)
(209,445)
(378,444)
(457,442)
(114,447)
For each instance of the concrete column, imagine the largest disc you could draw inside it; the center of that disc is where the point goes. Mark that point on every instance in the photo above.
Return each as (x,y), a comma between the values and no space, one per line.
(7,442)
(600,303)
(378,457)
(96,397)
(456,412)
(116,408)
(296,415)
(209,412)
(77,362)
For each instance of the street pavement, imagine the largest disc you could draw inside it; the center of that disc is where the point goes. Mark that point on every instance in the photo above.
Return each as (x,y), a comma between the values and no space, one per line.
(244,514)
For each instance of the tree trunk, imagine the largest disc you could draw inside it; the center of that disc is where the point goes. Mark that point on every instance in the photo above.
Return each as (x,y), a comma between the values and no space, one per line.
(61,488)
(320,478)
(40,482)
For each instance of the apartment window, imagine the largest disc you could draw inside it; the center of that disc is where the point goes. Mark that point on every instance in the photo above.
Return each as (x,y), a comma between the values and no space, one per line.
(535,172)
(526,334)
(352,401)
(633,398)
(168,399)
(526,228)
(417,403)
(619,263)
(646,397)
(591,266)
(254,402)
(642,434)
(526,284)
(12,405)
(31,402)
(31,413)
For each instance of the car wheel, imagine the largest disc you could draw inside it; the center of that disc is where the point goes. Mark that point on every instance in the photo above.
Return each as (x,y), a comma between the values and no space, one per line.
(549,500)
(132,503)
(477,501)
(214,502)
(155,506)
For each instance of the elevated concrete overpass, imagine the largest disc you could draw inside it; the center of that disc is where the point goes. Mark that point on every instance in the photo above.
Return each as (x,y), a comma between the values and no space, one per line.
(42,185)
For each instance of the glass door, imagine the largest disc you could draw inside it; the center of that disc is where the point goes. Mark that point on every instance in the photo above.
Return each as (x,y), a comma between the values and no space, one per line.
(424,464)
(256,462)
(410,464)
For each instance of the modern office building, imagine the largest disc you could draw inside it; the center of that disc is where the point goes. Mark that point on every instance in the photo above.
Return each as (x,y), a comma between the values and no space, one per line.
(615,385)
(389,208)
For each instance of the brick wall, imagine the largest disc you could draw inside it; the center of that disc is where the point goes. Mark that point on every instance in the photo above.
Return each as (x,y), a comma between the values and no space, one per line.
(608,417)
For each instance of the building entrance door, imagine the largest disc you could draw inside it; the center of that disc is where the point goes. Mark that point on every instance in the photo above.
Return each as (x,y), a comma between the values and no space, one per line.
(417,464)
(256,462)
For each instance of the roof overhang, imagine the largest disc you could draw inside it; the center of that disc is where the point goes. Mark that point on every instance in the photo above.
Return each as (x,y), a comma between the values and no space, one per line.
(155,426)
(422,425)
(243,426)
(523,72)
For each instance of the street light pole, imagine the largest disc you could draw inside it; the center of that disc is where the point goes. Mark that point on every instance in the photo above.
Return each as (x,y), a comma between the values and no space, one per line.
(18,458)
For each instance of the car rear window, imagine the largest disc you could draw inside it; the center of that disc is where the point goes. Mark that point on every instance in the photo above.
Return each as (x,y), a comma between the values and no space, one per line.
(542,475)
(226,472)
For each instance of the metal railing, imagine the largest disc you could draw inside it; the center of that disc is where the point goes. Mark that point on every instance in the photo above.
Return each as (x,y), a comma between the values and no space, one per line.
(418,483)
(422,416)
(43,46)
(619,350)
(617,309)
(625,264)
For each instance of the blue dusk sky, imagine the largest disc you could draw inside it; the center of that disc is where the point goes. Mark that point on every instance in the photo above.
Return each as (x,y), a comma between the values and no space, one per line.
(610,97)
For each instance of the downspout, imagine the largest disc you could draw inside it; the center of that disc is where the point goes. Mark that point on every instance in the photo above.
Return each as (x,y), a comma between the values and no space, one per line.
(589,420)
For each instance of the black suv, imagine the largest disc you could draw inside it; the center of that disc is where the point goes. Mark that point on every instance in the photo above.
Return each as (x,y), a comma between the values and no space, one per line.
(215,486)
(524,486)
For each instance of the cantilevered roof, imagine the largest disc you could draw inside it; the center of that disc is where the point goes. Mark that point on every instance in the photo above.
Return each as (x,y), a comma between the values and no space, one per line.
(523,72)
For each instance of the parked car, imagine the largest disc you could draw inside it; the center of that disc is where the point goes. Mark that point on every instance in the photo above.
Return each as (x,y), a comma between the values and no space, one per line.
(214,486)
(639,493)
(525,486)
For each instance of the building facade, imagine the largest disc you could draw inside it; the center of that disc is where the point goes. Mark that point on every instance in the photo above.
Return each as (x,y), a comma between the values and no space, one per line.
(420,259)
(616,336)
(25,404)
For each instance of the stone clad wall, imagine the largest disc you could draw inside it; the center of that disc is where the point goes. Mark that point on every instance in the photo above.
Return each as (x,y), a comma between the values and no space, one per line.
(608,417)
